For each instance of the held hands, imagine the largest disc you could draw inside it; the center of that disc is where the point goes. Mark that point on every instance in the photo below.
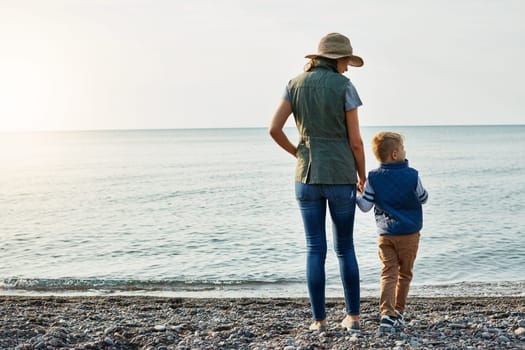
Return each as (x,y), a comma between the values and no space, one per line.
(361,185)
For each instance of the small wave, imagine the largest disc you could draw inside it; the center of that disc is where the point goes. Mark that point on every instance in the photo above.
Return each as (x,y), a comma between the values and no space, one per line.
(237,288)
(83,285)
(480,289)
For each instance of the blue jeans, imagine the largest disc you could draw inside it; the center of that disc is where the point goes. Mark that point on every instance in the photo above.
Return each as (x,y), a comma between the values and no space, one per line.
(313,200)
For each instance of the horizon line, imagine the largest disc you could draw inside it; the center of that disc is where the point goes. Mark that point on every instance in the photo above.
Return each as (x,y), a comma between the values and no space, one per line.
(239,127)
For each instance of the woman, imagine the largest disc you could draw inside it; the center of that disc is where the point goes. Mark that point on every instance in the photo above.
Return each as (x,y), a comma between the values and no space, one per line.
(330,162)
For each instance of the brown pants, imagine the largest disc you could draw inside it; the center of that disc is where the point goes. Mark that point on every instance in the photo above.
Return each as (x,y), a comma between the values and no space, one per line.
(397,254)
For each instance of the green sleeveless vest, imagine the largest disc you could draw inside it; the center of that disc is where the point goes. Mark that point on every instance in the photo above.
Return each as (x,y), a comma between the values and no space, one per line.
(318,104)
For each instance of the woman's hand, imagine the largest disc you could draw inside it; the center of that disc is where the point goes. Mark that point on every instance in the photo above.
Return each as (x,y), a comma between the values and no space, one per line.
(361,185)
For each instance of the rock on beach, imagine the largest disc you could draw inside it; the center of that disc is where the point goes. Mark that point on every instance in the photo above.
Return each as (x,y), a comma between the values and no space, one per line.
(142,322)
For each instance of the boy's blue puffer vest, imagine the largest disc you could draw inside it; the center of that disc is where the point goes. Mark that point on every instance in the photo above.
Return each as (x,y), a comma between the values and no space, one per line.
(397,208)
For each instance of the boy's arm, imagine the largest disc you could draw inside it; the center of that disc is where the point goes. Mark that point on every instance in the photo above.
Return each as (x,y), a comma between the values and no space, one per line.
(422,194)
(365,201)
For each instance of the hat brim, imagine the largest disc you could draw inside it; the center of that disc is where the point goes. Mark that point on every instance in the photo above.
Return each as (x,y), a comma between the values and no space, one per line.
(355,61)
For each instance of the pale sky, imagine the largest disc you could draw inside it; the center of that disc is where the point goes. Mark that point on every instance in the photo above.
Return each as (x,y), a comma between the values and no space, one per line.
(142,64)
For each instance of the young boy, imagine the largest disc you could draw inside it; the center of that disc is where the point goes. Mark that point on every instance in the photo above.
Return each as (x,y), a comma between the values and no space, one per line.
(397,194)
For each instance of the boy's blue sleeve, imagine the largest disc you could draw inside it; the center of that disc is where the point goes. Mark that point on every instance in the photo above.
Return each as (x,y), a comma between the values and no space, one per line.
(365,202)
(422,194)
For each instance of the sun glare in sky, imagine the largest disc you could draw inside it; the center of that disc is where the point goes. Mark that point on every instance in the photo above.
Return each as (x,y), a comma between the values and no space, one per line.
(25,92)
(33,84)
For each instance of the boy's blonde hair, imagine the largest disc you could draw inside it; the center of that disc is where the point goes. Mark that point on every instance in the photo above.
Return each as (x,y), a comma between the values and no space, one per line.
(384,143)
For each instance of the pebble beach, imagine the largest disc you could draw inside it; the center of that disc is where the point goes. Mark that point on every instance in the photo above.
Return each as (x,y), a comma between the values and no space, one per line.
(144,322)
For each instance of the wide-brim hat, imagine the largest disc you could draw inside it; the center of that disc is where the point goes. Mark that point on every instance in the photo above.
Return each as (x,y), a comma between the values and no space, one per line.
(334,46)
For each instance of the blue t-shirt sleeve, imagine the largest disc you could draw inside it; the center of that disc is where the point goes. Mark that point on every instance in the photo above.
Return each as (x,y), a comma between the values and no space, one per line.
(286,94)
(352,99)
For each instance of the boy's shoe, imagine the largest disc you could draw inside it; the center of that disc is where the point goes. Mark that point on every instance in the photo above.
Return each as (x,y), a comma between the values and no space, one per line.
(401,319)
(389,323)
(318,327)
(350,325)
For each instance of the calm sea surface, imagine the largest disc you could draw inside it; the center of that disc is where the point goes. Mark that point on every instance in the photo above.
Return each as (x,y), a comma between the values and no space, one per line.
(212,213)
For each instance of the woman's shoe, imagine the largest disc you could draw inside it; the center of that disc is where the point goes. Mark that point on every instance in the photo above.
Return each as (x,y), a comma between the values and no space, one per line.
(317,326)
(351,326)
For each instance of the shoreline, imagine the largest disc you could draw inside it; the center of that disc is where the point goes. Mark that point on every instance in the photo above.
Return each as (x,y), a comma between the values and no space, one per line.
(148,322)
(86,288)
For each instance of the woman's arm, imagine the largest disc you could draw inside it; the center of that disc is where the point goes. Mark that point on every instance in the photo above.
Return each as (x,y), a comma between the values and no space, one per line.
(356,145)
(277,124)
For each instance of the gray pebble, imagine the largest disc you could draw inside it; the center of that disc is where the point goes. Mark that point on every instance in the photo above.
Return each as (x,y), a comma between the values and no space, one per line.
(486,335)
(458,326)
(414,343)
(503,339)
(291,342)
(177,329)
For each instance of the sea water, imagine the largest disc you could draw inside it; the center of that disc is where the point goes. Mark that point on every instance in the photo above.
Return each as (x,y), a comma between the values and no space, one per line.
(212,212)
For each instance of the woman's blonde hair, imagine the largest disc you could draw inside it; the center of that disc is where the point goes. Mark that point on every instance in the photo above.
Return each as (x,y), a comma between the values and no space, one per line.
(313,62)
(384,143)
